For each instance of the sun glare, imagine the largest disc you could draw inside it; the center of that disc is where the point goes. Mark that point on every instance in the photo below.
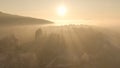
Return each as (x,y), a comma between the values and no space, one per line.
(61,10)
(70,22)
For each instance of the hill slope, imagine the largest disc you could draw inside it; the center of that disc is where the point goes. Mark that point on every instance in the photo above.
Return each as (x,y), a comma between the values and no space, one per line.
(9,19)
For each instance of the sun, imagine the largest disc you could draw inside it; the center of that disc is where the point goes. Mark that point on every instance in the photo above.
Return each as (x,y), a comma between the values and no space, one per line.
(61,10)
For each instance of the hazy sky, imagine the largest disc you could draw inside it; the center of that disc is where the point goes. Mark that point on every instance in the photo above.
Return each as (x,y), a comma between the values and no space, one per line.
(76,9)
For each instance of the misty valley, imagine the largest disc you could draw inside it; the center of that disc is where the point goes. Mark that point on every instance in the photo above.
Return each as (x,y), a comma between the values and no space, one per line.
(66,46)
(59,34)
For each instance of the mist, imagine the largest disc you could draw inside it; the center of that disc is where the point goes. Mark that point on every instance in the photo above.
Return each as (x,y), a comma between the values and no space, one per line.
(59,34)
(63,46)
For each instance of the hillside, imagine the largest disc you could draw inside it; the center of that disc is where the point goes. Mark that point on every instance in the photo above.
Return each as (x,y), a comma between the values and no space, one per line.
(9,19)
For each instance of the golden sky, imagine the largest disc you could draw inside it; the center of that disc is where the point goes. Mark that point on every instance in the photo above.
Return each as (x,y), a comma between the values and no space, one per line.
(103,10)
